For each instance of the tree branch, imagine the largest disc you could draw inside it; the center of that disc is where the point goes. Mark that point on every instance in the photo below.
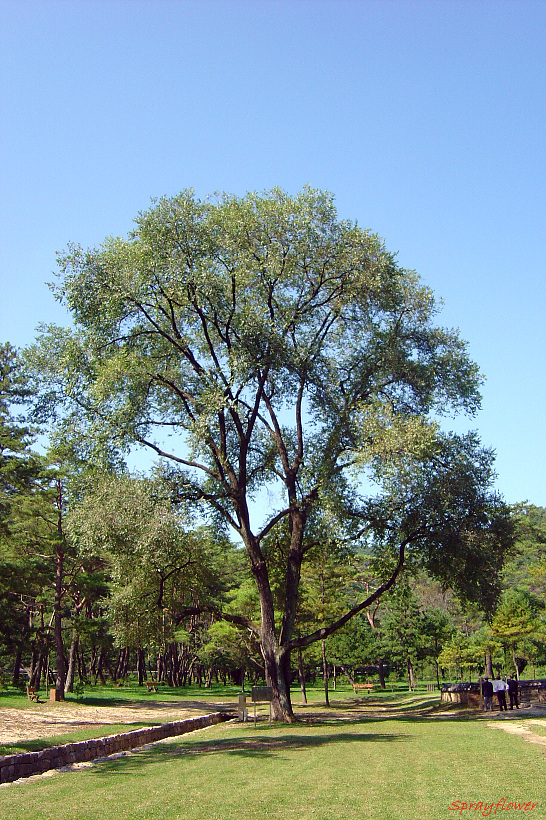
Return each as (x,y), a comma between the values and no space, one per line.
(237,620)
(321,634)
(269,526)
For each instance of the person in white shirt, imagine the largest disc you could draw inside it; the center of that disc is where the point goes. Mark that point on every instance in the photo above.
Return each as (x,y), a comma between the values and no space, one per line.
(500,687)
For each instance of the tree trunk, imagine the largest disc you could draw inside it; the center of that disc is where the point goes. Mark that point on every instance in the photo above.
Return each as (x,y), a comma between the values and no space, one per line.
(160,667)
(301,676)
(274,647)
(36,674)
(69,684)
(488,665)
(276,661)
(381,670)
(411,678)
(17,668)
(82,669)
(99,672)
(325,673)
(59,555)
(46,671)
(125,663)
(93,660)
(175,664)
(150,670)
(348,675)
(277,668)
(33,662)
(516,666)
(121,664)
(141,666)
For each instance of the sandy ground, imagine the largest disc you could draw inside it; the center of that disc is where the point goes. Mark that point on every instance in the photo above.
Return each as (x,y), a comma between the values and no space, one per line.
(40,720)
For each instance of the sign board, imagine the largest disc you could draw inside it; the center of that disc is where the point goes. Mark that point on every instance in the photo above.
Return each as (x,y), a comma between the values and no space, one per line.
(261,694)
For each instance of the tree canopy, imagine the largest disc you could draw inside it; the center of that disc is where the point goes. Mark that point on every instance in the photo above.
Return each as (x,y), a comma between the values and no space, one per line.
(261,343)
(18,465)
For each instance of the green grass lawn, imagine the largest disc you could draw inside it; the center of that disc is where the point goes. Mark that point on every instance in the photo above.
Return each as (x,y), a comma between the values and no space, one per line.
(128,692)
(403,767)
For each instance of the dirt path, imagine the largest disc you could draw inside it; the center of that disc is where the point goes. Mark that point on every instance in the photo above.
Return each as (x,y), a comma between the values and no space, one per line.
(41,720)
(515,727)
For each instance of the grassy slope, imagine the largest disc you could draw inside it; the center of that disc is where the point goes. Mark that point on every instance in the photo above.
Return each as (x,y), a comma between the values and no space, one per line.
(406,767)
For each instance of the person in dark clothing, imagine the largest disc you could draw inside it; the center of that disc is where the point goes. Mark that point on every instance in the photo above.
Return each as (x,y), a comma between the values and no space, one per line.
(487,692)
(513,692)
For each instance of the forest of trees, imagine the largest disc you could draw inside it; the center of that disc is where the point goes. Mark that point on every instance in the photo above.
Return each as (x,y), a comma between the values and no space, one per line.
(258,347)
(129,582)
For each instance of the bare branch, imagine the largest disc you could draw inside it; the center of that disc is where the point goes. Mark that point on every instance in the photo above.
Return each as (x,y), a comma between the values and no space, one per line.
(177,459)
(269,526)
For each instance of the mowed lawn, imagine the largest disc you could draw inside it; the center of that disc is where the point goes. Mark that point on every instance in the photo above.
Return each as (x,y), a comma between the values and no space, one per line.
(403,767)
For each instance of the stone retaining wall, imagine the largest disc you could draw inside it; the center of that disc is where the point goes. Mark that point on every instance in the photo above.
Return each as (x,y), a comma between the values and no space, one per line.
(471,699)
(13,767)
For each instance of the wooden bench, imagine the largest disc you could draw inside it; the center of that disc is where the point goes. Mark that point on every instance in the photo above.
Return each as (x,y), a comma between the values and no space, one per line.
(33,695)
(151,686)
(366,686)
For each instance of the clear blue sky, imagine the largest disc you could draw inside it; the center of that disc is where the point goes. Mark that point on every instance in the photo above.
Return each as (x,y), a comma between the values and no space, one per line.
(425,119)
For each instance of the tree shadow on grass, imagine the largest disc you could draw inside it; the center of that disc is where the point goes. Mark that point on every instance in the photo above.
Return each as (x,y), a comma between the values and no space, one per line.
(365,706)
(259,747)
(199,706)
(90,700)
(371,711)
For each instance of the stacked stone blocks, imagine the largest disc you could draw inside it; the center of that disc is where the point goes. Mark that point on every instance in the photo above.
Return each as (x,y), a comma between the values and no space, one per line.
(13,767)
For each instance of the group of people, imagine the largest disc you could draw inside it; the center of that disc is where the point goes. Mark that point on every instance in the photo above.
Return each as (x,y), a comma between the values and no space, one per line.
(499,687)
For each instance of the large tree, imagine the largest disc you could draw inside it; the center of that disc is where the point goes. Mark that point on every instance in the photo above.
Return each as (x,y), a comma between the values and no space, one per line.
(262,342)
